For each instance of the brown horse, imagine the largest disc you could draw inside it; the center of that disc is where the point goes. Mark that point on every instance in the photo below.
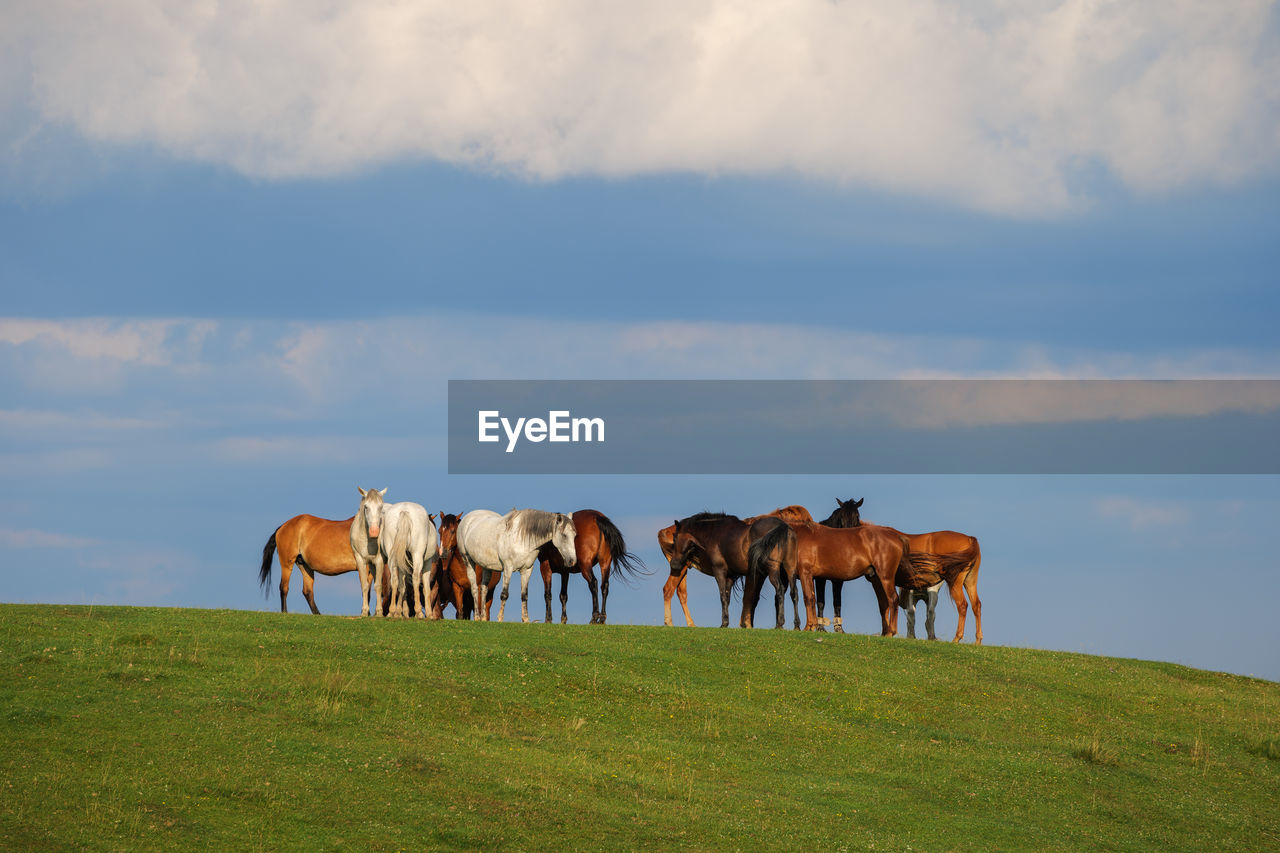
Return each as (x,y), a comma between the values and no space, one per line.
(314,545)
(679,585)
(717,544)
(597,542)
(941,555)
(453,587)
(840,554)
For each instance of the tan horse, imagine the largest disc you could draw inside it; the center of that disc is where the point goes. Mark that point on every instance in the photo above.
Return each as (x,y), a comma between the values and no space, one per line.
(313,545)
(678,586)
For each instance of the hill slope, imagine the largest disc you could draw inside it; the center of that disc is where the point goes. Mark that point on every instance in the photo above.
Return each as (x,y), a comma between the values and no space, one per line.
(147,728)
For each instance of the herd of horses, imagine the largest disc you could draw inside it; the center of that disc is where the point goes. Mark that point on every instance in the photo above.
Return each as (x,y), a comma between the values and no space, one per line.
(416,563)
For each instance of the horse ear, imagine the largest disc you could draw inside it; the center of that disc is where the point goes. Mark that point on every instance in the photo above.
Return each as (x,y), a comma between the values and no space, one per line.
(360,490)
(382,492)
(858,503)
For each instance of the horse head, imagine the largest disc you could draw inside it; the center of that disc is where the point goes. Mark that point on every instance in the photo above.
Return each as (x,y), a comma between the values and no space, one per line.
(448,531)
(846,514)
(371,510)
(564,537)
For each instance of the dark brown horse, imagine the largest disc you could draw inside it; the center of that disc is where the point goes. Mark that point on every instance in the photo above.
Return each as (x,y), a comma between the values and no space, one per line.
(941,555)
(678,586)
(836,554)
(597,542)
(313,545)
(453,586)
(717,544)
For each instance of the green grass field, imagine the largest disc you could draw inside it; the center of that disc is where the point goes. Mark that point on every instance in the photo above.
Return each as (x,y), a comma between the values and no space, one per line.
(131,728)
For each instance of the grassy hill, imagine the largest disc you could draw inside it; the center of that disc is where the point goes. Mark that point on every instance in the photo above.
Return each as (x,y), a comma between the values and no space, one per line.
(134,728)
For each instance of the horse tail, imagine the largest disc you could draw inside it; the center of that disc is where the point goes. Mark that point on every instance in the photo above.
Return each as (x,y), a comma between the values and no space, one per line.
(628,564)
(959,563)
(767,545)
(268,550)
(909,563)
(398,555)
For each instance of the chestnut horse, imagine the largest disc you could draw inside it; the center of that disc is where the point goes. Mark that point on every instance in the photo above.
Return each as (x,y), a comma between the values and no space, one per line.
(597,542)
(840,554)
(313,545)
(717,544)
(452,585)
(679,585)
(941,555)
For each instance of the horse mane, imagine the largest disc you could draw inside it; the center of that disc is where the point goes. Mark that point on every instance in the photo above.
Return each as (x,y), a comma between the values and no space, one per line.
(536,525)
(705,516)
(792,513)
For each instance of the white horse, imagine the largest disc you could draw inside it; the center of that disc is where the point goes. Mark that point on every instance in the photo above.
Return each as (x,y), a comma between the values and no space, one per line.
(366,527)
(409,544)
(509,543)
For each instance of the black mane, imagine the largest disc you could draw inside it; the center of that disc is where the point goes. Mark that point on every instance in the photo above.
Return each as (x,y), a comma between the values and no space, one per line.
(705,516)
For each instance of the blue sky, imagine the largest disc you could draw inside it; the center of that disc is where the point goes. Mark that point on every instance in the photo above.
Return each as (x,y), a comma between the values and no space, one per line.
(238,269)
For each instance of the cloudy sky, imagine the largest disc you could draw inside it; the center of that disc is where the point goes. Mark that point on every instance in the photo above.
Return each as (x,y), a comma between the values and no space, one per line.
(243,246)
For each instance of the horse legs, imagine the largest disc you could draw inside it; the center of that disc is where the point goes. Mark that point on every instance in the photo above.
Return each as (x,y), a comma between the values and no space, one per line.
(506,584)
(810,611)
(676,585)
(525,574)
(820,592)
(908,597)
(589,574)
(883,600)
(795,604)
(971,587)
(837,593)
(887,595)
(544,566)
(564,599)
(722,578)
(308,588)
(475,587)
(778,577)
(668,590)
(750,598)
(605,570)
(430,592)
(956,588)
(378,581)
(932,603)
(286,569)
(362,568)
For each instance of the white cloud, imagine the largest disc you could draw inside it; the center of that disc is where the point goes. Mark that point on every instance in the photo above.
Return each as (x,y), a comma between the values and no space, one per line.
(1141,515)
(11,538)
(34,421)
(1000,106)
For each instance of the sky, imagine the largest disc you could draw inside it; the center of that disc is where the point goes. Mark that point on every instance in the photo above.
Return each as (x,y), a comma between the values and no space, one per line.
(243,248)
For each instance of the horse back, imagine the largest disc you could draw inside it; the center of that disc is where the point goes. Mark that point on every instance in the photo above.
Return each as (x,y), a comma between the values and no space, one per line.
(942,542)
(323,543)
